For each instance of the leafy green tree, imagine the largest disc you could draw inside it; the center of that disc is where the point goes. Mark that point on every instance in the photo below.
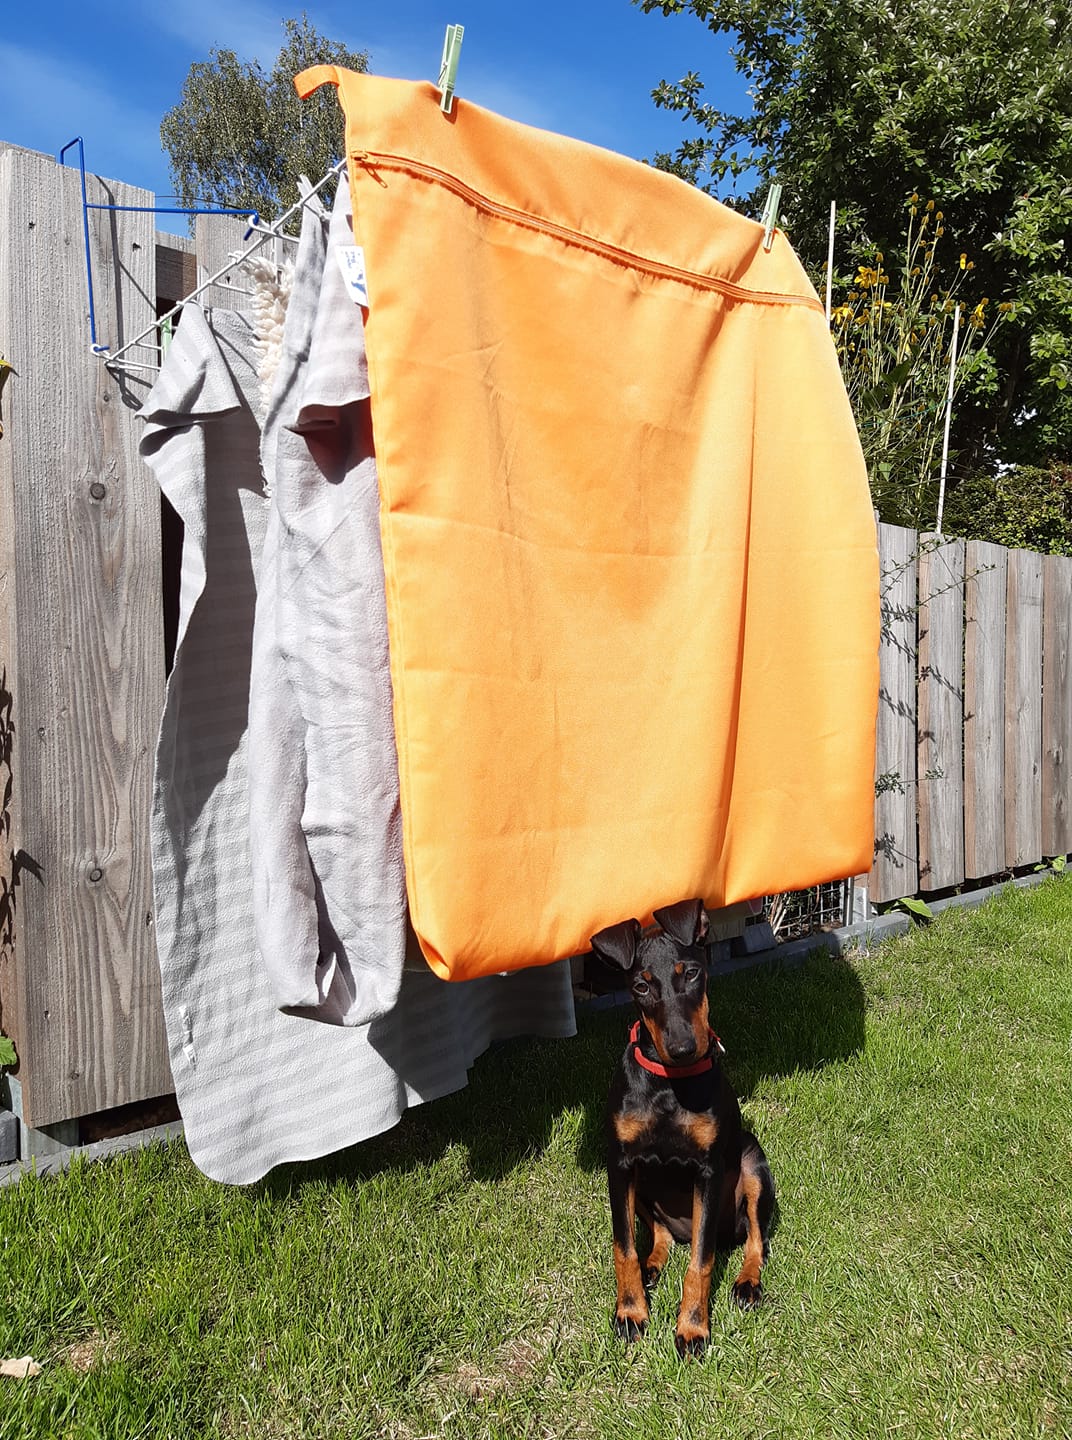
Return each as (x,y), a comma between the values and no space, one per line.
(967,102)
(240,136)
(1023,507)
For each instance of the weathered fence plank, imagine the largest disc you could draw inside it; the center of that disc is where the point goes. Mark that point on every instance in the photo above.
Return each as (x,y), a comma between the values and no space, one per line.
(85,649)
(986,568)
(1023,709)
(216,239)
(895,871)
(1056,705)
(941,713)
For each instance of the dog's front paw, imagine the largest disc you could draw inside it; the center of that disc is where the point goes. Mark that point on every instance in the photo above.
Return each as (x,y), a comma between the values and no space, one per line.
(690,1343)
(747,1294)
(629,1327)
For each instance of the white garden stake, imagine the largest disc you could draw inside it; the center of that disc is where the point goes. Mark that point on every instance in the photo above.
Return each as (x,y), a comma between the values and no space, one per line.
(948,417)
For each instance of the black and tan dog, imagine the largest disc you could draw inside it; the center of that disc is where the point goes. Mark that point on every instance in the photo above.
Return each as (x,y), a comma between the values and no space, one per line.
(677,1153)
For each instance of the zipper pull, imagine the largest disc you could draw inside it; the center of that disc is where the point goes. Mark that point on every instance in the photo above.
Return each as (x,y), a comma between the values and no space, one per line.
(365,160)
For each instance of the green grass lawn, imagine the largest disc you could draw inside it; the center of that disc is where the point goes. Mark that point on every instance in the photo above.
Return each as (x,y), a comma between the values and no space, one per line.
(454,1278)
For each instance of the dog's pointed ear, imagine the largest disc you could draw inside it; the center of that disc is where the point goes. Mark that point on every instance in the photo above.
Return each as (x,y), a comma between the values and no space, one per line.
(685,922)
(617,943)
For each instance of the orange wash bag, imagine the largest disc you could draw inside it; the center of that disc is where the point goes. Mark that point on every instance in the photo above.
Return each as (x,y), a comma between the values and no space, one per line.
(631,565)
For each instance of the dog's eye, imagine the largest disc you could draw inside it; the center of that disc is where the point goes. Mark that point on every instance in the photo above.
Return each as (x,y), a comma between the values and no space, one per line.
(693,972)
(641,987)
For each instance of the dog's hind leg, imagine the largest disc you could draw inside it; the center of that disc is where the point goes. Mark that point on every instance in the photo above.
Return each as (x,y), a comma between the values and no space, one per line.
(755,1205)
(658,1252)
(694,1318)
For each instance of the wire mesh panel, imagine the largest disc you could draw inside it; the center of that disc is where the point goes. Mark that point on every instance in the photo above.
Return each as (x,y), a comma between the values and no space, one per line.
(797,913)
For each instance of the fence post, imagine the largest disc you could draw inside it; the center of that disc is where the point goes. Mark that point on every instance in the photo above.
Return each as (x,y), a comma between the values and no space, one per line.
(83,653)
(1056,706)
(941,713)
(1023,710)
(984,709)
(895,871)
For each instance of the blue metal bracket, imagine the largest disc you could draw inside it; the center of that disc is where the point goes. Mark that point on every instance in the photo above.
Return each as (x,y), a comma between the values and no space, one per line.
(88,205)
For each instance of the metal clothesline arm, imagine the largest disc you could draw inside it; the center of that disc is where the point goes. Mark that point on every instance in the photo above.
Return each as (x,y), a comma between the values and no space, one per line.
(88,205)
(264,233)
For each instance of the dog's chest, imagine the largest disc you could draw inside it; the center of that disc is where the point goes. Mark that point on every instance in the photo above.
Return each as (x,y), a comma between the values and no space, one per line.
(665,1131)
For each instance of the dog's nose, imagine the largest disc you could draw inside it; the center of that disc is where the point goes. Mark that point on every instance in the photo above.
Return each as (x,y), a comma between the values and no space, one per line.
(681,1051)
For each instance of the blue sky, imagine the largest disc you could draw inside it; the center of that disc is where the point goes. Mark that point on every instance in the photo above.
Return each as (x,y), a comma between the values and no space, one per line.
(108,71)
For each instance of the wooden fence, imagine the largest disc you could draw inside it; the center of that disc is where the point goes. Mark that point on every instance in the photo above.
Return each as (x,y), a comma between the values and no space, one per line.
(82,658)
(973,751)
(83,611)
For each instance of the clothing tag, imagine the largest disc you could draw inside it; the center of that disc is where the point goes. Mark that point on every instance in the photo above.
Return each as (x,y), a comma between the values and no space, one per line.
(351,260)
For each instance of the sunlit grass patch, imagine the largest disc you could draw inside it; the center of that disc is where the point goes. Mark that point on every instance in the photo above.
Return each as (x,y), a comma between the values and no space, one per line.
(453,1278)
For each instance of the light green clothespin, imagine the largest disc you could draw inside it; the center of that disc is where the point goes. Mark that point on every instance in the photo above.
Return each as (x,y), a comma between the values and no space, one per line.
(448,66)
(167,334)
(770,214)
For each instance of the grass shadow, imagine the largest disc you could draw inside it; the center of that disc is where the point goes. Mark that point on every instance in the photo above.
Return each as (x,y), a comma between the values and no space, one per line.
(773,1019)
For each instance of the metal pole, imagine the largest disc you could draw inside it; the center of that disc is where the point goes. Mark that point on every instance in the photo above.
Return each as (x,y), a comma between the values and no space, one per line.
(948,417)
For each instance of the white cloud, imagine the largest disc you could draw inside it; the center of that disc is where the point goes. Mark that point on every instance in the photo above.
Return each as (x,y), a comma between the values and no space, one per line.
(252,30)
(47,102)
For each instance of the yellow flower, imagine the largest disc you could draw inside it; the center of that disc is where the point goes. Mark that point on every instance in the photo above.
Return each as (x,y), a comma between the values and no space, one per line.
(930,204)
(963,261)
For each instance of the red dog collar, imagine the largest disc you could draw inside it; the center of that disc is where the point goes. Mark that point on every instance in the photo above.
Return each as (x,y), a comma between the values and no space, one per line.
(675,1072)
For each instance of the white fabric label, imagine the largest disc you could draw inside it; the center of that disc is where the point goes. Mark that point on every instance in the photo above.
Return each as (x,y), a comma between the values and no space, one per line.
(351,260)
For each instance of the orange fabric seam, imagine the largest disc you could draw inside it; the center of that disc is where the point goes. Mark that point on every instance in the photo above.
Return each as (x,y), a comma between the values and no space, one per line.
(371,160)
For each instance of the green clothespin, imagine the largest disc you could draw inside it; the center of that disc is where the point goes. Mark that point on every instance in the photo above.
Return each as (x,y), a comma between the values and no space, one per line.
(448,66)
(770,213)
